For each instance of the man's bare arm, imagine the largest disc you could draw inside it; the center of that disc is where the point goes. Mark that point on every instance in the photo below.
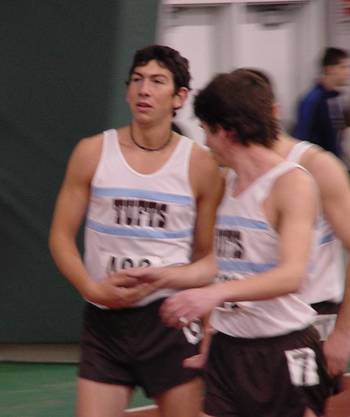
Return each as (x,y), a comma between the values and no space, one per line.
(70,209)
(333,182)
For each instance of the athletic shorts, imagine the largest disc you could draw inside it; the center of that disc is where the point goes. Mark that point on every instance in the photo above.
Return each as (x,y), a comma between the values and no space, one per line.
(266,377)
(133,347)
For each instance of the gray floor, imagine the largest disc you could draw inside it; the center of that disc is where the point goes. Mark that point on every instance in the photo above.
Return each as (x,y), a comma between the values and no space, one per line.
(63,353)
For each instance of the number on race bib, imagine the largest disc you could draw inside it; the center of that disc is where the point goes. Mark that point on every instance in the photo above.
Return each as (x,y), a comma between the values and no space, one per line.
(145,262)
(127,263)
(302,367)
(117,264)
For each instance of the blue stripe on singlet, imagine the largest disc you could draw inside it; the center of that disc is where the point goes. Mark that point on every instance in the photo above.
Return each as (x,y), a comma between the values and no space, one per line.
(243,266)
(243,222)
(131,231)
(142,194)
(330,237)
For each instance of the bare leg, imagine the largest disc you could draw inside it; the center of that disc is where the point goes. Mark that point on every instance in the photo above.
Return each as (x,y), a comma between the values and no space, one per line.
(182,401)
(309,413)
(96,399)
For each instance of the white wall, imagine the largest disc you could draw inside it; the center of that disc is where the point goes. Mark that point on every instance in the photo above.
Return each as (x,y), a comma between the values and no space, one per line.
(339,24)
(195,32)
(230,34)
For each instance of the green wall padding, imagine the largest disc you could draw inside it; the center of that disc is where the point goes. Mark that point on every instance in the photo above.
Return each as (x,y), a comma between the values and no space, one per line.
(62,71)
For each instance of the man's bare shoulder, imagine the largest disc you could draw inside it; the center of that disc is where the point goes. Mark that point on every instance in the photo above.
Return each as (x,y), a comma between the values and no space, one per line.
(327,170)
(295,186)
(85,156)
(90,146)
(88,149)
(295,178)
(205,173)
(203,160)
(332,180)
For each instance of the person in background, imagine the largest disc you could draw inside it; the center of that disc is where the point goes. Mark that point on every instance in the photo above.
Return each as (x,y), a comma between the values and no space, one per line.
(321,115)
(329,289)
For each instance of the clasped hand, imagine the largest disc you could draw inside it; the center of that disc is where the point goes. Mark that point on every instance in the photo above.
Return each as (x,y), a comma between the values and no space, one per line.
(118,290)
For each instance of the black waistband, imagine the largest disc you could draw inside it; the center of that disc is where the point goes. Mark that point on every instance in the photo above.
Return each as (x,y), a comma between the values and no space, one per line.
(309,331)
(326,307)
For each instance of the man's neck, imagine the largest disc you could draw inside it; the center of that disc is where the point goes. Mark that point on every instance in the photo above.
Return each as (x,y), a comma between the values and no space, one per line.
(150,135)
(284,144)
(255,161)
(328,83)
(251,164)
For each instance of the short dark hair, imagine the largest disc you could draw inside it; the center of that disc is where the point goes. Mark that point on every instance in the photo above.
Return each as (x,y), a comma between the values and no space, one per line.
(166,57)
(263,75)
(260,73)
(242,102)
(333,56)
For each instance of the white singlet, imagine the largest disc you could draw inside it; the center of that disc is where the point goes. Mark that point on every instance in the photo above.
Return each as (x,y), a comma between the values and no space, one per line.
(139,220)
(327,272)
(246,244)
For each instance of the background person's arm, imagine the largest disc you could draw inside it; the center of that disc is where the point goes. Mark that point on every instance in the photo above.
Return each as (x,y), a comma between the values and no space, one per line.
(333,182)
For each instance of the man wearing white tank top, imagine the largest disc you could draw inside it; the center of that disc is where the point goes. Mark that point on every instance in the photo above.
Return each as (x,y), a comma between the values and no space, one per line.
(148,197)
(265,358)
(326,293)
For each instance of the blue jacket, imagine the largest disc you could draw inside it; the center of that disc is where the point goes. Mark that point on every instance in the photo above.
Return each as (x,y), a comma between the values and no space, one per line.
(320,119)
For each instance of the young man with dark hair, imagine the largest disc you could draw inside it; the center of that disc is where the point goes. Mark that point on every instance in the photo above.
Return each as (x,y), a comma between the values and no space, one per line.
(149,196)
(265,358)
(321,117)
(326,290)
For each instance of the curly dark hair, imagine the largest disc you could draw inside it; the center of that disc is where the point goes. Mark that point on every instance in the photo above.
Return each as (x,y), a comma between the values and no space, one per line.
(241,102)
(166,57)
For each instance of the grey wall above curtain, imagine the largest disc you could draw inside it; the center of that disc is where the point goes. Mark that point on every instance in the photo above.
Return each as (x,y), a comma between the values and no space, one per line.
(62,71)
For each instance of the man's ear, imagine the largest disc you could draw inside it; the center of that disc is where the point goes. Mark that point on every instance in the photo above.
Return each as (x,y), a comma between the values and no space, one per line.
(180,97)
(229,135)
(328,70)
(276,111)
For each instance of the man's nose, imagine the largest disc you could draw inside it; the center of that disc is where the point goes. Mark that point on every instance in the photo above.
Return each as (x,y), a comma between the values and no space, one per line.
(145,87)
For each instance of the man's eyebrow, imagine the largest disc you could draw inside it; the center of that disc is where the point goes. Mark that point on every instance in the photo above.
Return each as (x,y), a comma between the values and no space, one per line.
(151,75)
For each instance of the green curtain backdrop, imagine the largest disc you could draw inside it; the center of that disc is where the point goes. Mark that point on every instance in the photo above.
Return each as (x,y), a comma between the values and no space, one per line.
(62,71)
